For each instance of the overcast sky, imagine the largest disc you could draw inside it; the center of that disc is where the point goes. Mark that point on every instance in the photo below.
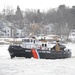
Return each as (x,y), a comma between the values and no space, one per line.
(35,4)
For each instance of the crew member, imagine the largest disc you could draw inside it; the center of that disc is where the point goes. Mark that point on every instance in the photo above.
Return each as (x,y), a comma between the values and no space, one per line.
(57,48)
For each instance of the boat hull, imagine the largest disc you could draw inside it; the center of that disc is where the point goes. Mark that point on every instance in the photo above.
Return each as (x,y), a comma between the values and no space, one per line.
(18,51)
(54,54)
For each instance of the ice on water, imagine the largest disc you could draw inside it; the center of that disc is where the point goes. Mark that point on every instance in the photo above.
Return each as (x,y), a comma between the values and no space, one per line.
(23,66)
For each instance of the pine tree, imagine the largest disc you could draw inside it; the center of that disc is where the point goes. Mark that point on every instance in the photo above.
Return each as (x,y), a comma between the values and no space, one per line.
(19,17)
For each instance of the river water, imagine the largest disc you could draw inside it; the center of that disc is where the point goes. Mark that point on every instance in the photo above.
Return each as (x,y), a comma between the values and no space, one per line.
(23,66)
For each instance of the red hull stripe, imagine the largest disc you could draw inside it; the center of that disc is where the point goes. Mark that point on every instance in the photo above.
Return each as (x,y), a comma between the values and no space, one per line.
(35,53)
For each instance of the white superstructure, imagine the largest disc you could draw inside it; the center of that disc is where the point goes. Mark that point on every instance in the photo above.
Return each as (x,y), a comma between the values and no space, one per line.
(33,43)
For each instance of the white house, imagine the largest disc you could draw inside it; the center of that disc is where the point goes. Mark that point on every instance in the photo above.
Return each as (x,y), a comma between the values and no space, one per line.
(6,31)
(9,31)
(18,33)
(72,35)
(49,28)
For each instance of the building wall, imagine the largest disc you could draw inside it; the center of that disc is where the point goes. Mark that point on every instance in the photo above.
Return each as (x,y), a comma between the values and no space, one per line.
(18,32)
(6,33)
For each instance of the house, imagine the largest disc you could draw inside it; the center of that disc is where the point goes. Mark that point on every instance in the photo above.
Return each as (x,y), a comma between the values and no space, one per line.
(49,28)
(18,33)
(9,30)
(72,35)
(5,31)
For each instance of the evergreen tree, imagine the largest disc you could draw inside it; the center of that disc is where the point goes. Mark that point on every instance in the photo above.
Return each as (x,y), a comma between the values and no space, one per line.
(73,17)
(19,17)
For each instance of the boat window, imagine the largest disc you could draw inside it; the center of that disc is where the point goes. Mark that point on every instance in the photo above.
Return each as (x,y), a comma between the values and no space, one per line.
(42,45)
(45,45)
(34,41)
(25,40)
(31,40)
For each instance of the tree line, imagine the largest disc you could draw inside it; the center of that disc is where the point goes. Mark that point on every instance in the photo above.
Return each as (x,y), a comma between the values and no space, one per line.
(62,17)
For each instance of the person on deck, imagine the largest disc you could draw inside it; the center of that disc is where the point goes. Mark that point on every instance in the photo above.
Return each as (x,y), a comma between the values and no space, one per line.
(58,46)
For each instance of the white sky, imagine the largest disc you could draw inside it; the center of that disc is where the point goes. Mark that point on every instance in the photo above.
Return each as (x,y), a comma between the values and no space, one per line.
(35,4)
